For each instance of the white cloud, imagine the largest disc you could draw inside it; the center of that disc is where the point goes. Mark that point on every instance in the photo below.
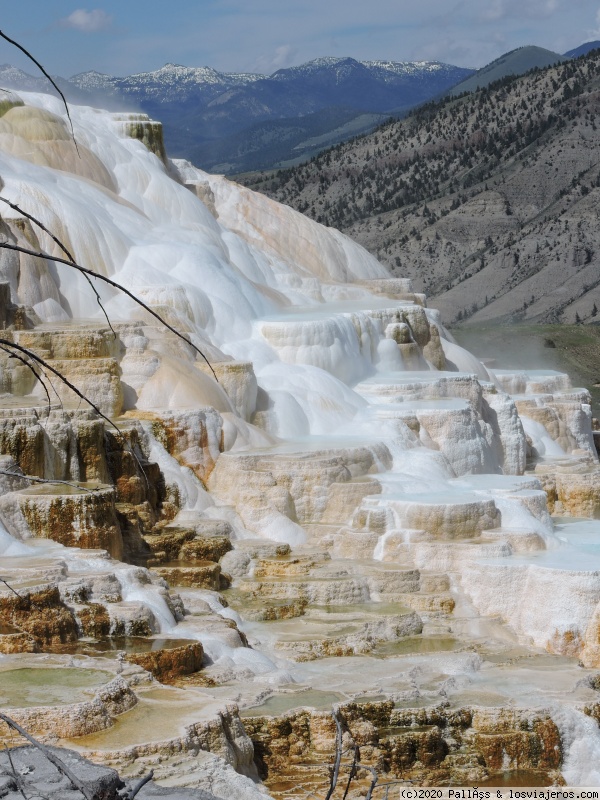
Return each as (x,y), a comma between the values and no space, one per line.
(595,32)
(87,21)
(283,56)
(514,10)
(495,10)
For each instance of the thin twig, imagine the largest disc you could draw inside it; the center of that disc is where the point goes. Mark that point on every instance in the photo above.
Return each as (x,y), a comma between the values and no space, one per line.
(8,586)
(17,208)
(338,754)
(65,251)
(60,765)
(18,779)
(130,793)
(73,484)
(118,286)
(353,770)
(29,366)
(73,388)
(58,374)
(39,66)
(12,619)
(373,772)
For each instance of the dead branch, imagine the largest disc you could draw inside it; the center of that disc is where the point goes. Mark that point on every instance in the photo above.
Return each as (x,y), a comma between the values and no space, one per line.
(90,272)
(17,208)
(388,784)
(353,770)
(65,251)
(59,375)
(131,792)
(39,66)
(373,772)
(8,586)
(18,779)
(53,759)
(12,622)
(30,367)
(34,479)
(338,754)
(11,619)
(5,344)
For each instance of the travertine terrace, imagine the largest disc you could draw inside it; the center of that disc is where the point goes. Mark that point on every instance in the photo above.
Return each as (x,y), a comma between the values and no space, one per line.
(357,514)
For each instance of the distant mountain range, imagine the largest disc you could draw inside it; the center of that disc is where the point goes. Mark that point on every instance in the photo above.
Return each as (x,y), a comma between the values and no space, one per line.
(231,122)
(239,122)
(583,49)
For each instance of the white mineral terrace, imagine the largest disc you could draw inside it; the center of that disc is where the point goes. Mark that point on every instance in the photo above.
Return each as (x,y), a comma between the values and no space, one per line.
(441,515)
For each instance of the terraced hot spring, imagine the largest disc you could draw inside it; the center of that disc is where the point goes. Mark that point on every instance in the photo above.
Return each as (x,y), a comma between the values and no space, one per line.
(380,609)
(53,686)
(418,644)
(517,777)
(110,647)
(279,704)
(160,714)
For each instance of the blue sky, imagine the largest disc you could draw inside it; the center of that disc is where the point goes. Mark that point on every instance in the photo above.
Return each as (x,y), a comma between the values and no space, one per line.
(130,36)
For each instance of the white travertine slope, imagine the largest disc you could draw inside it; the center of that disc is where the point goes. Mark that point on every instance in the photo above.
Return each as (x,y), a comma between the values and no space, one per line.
(343,417)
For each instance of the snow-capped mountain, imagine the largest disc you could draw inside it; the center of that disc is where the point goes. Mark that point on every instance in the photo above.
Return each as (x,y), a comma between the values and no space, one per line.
(233,122)
(174,82)
(170,83)
(13,78)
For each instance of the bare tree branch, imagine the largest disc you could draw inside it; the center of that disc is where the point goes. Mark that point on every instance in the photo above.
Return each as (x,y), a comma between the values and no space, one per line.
(18,779)
(131,792)
(39,66)
(4,343)
(58,374)
(65,251)
(17,208)
(8,586)
(60,765)
(85,271)
(338,754)
(73,484)
(373,772)
(29,366)
(353,770)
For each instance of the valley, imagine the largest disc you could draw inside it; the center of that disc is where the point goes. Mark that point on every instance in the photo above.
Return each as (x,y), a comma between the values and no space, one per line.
(486,201)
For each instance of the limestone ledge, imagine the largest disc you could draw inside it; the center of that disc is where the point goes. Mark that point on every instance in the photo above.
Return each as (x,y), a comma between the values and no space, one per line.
(193,437)
(294,486)
(431,746)
(38,614)
(574,493)
(223,735)
(77,719)
(167,664)
(364,640)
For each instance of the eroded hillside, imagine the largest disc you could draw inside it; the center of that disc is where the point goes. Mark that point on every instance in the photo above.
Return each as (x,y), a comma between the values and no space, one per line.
(488,202)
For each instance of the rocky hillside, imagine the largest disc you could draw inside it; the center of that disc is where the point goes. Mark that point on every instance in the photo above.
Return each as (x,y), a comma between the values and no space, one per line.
(487,201)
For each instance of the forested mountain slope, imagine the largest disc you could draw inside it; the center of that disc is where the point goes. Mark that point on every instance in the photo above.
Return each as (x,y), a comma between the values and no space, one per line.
(515,62)
(489,201)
